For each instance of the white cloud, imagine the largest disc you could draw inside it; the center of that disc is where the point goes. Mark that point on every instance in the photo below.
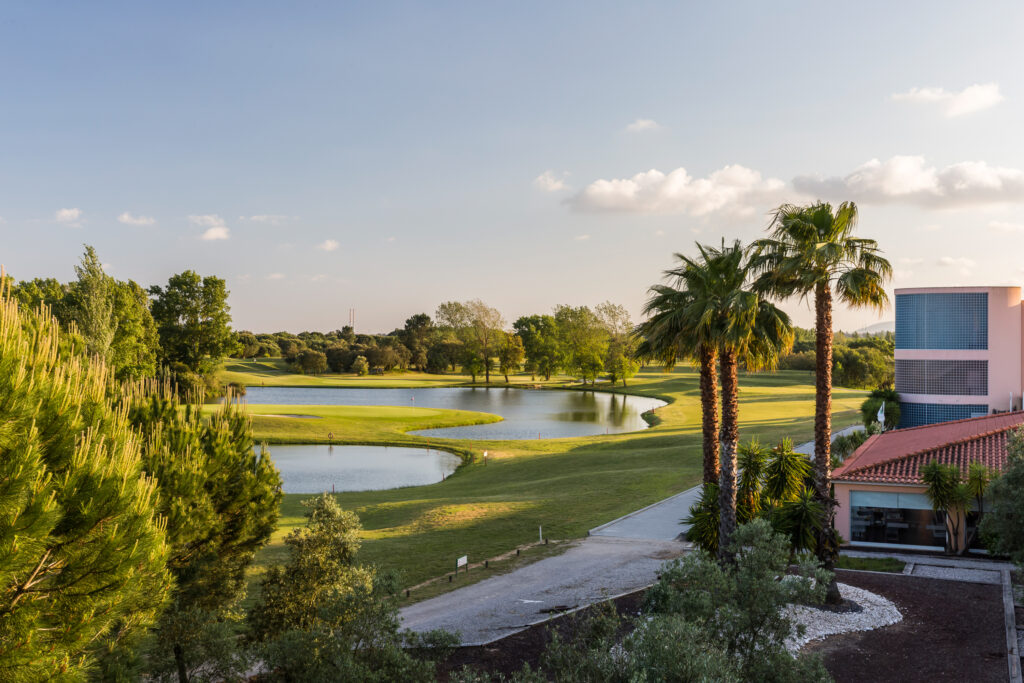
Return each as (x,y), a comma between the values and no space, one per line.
(962,263)
(581,238)
(214,224)
(391,239)
(275,276)
(271,218)
(1005,227)
(911,180)
(328,245)
(549,182)
(967,101)
(129,219)
(659,233)
(641,125)
(69,217)
(732,189)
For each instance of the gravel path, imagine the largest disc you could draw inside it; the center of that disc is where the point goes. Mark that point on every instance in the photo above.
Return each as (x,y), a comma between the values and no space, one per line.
(876,612)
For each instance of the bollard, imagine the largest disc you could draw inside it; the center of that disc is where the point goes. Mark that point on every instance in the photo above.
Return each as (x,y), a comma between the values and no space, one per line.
(406,592)
(517,552)
(486,564)
(449,578)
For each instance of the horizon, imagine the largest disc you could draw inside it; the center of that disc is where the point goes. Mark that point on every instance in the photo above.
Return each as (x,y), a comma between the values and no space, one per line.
(389,158)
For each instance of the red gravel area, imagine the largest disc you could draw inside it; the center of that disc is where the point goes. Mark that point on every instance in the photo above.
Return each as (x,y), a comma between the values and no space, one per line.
(951,631)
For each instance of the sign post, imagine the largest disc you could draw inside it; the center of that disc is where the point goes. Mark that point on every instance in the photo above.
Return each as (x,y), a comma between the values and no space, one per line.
(462,562)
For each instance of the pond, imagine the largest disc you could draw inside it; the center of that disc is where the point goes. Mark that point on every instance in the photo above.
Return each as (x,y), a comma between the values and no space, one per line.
(527,413)
(318,468)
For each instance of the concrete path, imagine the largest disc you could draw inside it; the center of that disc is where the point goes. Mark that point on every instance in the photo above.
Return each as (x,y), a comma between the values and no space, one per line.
(618,557)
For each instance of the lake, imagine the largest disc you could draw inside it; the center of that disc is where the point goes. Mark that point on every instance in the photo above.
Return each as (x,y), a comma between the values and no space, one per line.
(527,413)
(316,468)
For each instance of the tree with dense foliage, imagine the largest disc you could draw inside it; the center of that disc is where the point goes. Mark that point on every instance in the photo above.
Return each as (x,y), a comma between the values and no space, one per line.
(219,496)
(1002,525)
(322,617)
(82,550)
(540,344)
(511,355)
(620,358)
(310,362)
(360,366)
(812,251)
(583,340)
(193,321)
(478,326)
(416,335)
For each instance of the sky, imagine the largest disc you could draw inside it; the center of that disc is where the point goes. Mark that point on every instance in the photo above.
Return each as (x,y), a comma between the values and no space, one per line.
(389,156)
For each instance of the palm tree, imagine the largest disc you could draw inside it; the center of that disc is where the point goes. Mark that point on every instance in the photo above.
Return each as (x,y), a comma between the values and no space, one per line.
(812,252)
(671,333)
(743,327)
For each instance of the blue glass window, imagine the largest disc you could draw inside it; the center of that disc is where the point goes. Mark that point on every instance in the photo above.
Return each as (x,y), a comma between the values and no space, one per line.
(942,320)
(917,414)
(948,377)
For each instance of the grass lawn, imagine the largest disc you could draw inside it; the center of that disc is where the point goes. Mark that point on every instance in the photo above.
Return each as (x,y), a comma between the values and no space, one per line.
(274,372)
(566,485)
(873,564)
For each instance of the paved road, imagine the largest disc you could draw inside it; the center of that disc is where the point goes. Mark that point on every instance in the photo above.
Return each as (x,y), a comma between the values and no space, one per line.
(619,557)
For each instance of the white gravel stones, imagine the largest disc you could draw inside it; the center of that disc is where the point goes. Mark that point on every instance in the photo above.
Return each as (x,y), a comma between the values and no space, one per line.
(877,612)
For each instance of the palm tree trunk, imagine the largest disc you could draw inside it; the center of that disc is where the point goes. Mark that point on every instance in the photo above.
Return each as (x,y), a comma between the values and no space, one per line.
(709,412)
(827,547)
(730,441)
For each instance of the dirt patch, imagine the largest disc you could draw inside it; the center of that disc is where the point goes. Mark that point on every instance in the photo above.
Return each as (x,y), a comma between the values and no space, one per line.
(951,631)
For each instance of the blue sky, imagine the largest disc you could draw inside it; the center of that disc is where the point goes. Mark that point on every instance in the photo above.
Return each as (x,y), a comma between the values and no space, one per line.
(389,156)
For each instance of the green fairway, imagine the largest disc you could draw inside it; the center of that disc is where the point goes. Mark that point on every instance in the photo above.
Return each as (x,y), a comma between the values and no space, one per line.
(274,372)
(566,485)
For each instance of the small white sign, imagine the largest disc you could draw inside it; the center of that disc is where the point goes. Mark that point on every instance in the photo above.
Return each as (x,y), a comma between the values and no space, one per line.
(462,561)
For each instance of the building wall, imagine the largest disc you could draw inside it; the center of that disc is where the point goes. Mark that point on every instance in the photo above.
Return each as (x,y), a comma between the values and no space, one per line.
(843,491)
(949,328)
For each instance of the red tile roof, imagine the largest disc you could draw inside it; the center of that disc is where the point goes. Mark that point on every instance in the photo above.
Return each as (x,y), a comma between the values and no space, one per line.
(896,457)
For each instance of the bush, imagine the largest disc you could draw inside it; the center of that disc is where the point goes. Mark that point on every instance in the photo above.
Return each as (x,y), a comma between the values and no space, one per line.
(360,366)
(869,408)
(310,362)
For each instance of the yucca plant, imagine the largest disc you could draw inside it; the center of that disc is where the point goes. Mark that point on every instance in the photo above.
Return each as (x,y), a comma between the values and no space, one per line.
(785,473)
(82,550)
(704,520)
(800,519)
(752,458)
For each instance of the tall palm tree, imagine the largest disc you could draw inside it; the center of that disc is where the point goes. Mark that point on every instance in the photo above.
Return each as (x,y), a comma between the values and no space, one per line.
(719,310)
(812,251)
(670,333)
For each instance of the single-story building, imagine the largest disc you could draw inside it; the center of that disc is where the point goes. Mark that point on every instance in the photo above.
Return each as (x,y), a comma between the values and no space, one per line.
(881,496)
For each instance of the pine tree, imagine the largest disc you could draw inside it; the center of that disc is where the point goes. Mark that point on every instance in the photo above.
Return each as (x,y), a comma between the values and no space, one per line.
(82,551)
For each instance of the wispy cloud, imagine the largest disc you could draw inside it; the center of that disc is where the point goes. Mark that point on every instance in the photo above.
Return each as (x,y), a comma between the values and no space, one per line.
(955,103)
(581,238)
(548,181)
(129,219)
(214,224)
(270,218)
(1005,227)
(733,189)
(912,180)
(69,217)
(963,264)
(328,245)
(275,276)
(641,125)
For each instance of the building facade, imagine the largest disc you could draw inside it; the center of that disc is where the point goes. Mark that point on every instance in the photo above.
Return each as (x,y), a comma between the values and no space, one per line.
(958,352)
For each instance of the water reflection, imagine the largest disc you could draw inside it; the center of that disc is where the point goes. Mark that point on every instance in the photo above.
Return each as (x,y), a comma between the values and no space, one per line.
(320,468)
(528,414)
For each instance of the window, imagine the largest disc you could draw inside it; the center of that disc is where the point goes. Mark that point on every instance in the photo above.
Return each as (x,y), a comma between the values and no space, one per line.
(917,414)
(949,377)
(897,518)
(942,320)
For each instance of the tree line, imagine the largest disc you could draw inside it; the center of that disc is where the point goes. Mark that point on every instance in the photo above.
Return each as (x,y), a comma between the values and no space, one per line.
(580,341)
(182,329)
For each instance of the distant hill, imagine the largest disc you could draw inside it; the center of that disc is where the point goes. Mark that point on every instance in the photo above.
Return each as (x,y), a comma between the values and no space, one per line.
(879,328)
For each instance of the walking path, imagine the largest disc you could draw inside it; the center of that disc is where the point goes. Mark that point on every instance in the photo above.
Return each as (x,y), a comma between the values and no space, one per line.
(619,557)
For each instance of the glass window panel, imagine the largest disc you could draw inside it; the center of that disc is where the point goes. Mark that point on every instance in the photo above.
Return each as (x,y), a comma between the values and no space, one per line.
(873,499)
(917,414)
(901,526)
(942,320)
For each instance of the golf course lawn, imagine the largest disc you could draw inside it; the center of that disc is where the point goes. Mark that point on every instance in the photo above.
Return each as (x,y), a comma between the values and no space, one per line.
(566,485)
(274,372)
